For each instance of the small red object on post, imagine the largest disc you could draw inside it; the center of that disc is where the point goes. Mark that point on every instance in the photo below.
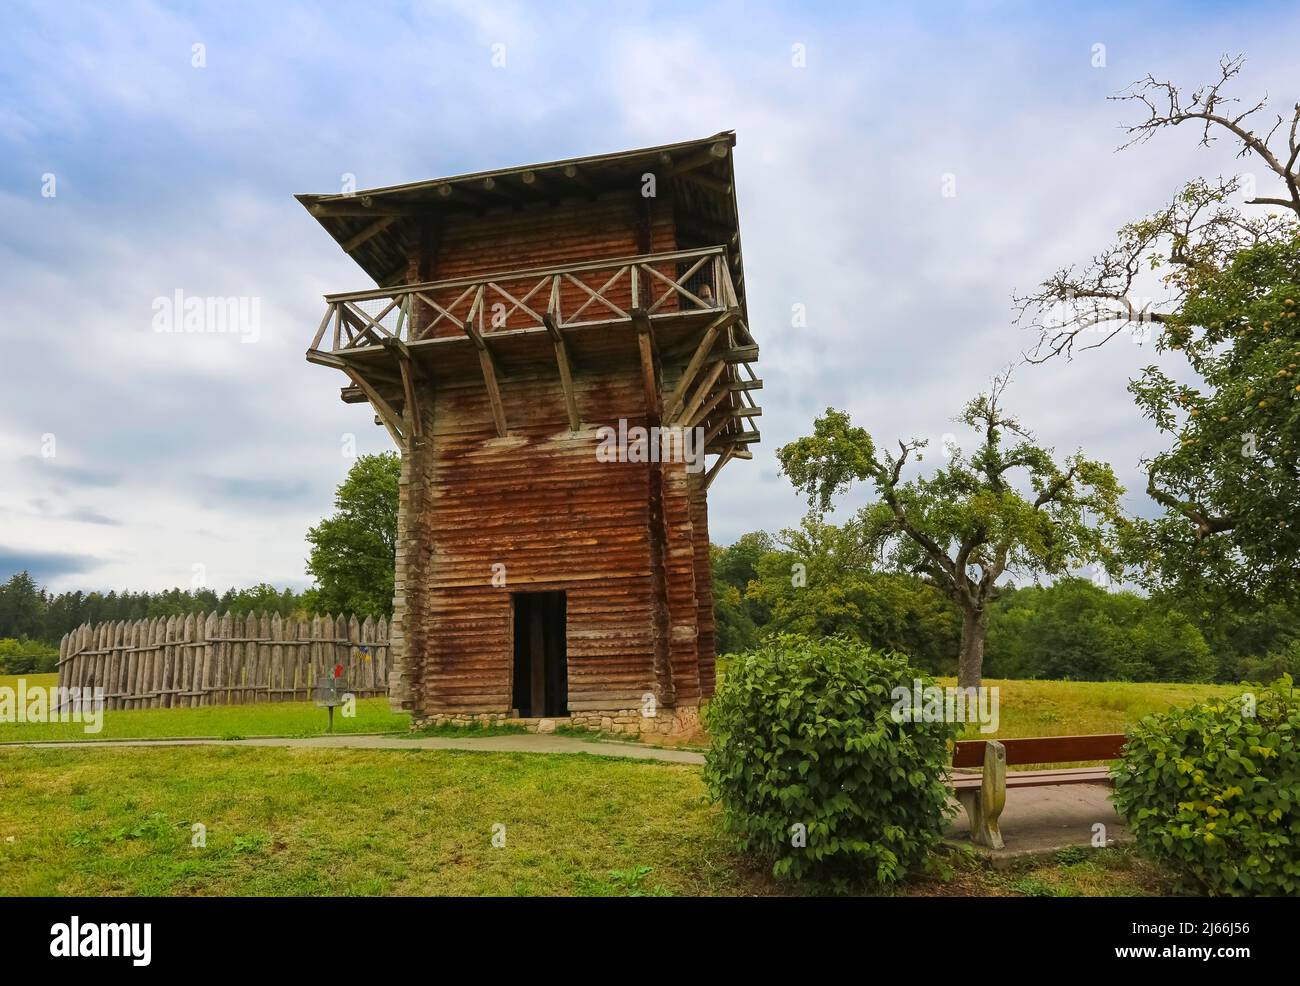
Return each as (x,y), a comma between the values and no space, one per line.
(338,671)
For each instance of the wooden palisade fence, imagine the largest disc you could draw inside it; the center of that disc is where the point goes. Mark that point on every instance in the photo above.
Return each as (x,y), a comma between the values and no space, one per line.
(183,661)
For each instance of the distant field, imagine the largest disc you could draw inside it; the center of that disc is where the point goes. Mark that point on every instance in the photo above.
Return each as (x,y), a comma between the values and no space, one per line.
(1071,708)
(270,719)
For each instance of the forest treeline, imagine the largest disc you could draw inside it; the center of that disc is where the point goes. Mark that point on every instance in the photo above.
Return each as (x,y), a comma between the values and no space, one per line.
(813,581)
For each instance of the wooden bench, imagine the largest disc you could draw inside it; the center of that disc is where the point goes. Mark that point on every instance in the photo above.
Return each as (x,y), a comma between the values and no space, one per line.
(984,795)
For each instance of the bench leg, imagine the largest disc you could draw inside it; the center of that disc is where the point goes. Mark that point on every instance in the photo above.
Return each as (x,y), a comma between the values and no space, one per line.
(984,807)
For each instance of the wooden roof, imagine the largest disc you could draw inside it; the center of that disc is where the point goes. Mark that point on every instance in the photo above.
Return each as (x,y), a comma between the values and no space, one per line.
(373,225)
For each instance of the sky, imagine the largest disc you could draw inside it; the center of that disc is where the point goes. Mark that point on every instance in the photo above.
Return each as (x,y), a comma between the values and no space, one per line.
(151,148)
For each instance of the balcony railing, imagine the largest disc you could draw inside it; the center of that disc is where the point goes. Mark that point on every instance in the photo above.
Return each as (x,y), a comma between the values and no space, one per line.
(655,286)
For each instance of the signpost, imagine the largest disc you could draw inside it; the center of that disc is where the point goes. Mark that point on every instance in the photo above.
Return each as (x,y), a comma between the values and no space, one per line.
(331,691)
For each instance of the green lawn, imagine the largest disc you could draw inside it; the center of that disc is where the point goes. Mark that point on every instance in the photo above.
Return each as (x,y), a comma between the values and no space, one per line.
(286,822)
(269,719)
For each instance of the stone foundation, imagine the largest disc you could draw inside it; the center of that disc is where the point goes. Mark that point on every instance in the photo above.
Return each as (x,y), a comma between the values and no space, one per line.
(667,722)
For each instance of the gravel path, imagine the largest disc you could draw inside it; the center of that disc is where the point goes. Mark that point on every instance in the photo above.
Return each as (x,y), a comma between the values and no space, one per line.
(521,743)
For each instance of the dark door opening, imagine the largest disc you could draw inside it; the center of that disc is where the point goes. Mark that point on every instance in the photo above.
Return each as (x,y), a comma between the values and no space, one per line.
(541,679)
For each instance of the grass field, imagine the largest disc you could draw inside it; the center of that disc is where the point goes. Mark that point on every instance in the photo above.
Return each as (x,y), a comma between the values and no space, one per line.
(1074,708)
(293,822)
(222,721)
(299,821)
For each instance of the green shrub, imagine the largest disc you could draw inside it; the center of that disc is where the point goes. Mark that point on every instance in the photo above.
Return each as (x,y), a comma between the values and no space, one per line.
(804,735)
(27,657)
(1212,792)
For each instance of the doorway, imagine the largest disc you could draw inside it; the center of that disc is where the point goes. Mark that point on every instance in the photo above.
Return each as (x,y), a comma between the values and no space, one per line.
(541,668)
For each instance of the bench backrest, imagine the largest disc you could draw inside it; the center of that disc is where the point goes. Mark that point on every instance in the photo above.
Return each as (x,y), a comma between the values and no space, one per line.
(1044,749)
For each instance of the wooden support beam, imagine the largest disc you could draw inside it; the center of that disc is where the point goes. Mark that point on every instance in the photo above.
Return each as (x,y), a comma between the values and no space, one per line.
(410,406)
(702,351)
(739,354)
(374,229)
(708,181)
(700,159)
(391,419)
(412,409)
(494,392)
(645,342)
(489,368)
(325,359)
(571,171)
(702,414)
(737,438)
(712,433)
(566,370)
(702,391)
(352,208)
(716,468)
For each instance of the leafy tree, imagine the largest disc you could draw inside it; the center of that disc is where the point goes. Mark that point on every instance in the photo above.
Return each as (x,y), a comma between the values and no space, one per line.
(1229,479)
(737,564)
(824,580)
(1227,483)
(968,524)
(734,567)
(353,552)
(734,628)
(22,607)
(1078,631)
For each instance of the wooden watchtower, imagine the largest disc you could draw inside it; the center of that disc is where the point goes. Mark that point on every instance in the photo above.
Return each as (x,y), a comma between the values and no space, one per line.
(555,349)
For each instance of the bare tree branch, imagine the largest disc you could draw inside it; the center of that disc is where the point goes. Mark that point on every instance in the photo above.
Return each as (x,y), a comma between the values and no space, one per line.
(1197,230)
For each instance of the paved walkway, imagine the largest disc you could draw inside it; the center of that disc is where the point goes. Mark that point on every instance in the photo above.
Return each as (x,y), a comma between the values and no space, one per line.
(513,743)
(1037,821)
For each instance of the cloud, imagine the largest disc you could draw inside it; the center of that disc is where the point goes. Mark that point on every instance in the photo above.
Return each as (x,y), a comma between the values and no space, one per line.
(256,489)
(45,566)
(177,449)
(64,476)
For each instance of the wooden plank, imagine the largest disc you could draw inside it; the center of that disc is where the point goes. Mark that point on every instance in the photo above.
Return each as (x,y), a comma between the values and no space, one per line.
(374,229)
(1044,749)
(391,419)
(649,377)
(566,371)
(701,391)
(488,366)
(673,403)
(702,414)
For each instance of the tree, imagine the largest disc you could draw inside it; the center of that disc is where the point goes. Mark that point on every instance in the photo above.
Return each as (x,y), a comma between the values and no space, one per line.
(734,567)
(968,524)
(1079,631)
(22,607)
(1228,481)
(824,580)
(353,552)
(1227,484)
